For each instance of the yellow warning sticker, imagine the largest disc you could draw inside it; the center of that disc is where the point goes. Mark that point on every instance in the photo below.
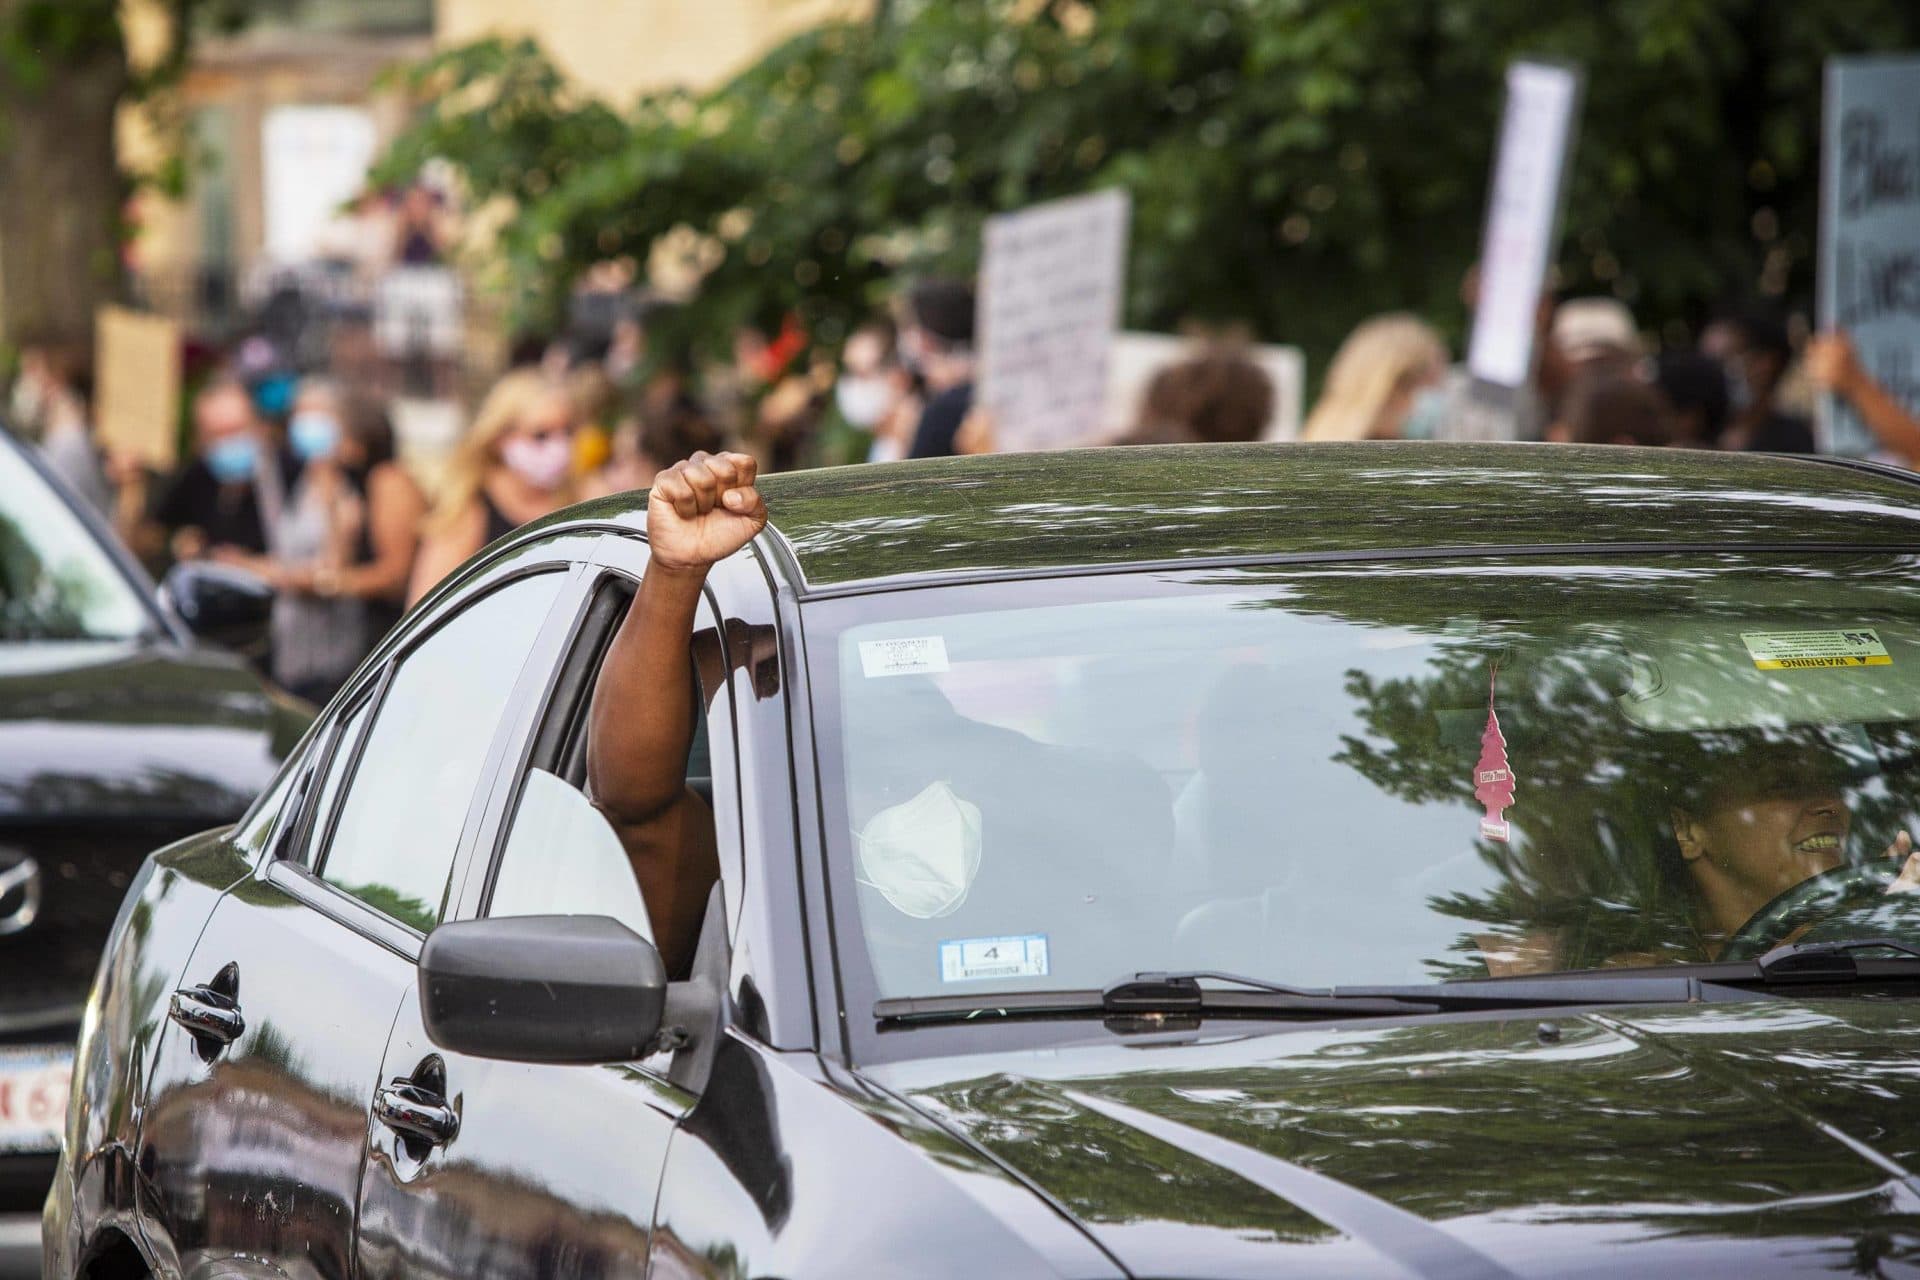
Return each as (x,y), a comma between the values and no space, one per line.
(1798,650)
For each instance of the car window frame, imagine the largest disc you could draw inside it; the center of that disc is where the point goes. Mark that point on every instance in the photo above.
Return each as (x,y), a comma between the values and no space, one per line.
(558,552)
(602,608)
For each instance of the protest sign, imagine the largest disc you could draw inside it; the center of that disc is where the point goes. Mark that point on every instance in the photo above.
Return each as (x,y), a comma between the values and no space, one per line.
(1051,280)
(1522,230)
(1136,357)
(1869,265)
(137,384)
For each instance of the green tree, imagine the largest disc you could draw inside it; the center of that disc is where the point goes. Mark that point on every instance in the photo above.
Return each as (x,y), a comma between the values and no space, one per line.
(1294,165)
(64,74)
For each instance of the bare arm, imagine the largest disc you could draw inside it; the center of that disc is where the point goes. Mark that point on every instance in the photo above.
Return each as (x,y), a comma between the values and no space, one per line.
(642,718)
(443,552)
(1833,363)
(394,509)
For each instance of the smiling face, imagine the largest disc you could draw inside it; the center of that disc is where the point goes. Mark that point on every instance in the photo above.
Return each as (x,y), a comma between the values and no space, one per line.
(1766,844)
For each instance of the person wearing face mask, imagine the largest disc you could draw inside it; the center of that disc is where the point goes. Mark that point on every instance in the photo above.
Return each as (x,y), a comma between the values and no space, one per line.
(868,395)
(936,345)
(1378,376)
(317,638)
(515,465)
(226,500)
(1753,346)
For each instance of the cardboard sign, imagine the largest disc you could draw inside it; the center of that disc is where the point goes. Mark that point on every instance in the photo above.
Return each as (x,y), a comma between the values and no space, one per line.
(1523,221)
(1869,262)
(1134,358)
(137,384)
(1051,281)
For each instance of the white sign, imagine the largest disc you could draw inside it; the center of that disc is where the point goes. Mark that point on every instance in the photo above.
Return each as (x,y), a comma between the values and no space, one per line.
(1523,215)
(1051,280)
(1869,282)
(1135,357)
(416,310)
(315,159)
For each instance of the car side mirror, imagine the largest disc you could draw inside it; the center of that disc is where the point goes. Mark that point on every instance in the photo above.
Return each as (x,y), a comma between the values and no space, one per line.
(220,604)
(581,989)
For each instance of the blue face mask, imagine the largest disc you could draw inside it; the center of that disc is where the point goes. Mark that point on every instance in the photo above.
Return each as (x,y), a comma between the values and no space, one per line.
(1427,416)
(313,435)
(231,460)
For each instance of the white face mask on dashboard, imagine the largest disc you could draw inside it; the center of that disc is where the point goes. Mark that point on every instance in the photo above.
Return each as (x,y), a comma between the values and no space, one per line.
(923,853)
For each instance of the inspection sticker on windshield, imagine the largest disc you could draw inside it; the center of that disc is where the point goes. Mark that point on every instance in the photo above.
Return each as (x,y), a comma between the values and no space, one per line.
(1794,650)
(910,656)
(1024,956)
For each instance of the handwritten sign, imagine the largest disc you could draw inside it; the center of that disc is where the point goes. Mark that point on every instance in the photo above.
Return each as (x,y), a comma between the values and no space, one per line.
(137,396)
(1523,220)
(1869,263)
(1051,279)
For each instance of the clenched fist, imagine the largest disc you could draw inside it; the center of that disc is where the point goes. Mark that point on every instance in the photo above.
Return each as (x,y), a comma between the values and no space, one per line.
(703,510)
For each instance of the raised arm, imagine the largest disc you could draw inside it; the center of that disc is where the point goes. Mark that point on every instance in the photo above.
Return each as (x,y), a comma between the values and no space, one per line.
(1833,364)
(641,723)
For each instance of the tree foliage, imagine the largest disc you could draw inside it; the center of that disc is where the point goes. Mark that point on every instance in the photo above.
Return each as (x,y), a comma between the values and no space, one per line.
(1295,165)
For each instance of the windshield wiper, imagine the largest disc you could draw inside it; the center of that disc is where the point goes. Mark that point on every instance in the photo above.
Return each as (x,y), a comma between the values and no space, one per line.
(1149,996)
(1836,961)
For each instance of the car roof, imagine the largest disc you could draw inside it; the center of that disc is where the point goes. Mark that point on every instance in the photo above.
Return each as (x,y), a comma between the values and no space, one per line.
(848,528)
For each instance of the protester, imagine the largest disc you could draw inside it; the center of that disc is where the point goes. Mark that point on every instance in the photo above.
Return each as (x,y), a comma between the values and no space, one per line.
(515,465)
(936,344)
(381,562)
(1384,367)
(1834,365)
(226,498)
(1213,396)
(1604,407)
(867,398)
(1595,335)
(64,427)
(1752,345)
(318,635)
(1696,391)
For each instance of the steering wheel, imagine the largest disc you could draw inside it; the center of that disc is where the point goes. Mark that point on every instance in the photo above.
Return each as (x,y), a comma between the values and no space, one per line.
(1810,900)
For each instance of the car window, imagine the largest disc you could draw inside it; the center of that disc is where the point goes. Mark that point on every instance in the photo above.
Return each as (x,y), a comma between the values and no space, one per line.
(1384,773)
(345,742)
(563,858)
(399,823)
(56,583)
(561,854)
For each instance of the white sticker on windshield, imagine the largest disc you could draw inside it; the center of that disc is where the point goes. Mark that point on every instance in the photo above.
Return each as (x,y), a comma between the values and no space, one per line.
(965,959)
(910,656)
(1794,650)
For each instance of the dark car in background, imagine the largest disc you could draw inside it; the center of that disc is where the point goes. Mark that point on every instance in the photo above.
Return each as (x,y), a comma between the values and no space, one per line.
(1219,861)
(119,732)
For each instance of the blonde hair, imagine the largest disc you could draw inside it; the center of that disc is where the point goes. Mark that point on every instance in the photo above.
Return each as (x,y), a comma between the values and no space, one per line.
(1378,360)
(506,406)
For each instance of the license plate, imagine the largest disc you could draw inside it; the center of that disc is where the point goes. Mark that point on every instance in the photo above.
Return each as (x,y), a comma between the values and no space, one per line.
(33,1097)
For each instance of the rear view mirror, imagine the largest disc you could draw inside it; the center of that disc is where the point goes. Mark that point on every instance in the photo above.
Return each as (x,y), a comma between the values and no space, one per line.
(221,604)
(579,989)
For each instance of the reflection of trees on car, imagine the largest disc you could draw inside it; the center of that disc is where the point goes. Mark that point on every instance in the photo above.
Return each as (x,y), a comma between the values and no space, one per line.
(1593,860)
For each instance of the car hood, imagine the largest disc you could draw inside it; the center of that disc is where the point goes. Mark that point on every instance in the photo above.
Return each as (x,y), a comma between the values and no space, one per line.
(110,730)
(1763,1137)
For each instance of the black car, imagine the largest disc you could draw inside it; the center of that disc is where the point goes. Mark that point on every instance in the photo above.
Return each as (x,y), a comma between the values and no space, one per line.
(1241,861)
(118,732)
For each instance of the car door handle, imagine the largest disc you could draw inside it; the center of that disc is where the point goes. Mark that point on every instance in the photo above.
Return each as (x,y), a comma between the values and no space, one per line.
(212,1016)
(415,1112)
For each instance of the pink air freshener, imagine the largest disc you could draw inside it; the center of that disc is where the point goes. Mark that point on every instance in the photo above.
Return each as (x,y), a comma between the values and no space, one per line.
(1492,776)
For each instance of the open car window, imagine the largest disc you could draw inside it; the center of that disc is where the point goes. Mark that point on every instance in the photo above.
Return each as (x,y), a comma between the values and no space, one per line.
(1364,774)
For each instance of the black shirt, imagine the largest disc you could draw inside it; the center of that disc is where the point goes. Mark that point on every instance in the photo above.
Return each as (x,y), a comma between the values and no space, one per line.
(228,514)
(1782,433)
(940,422)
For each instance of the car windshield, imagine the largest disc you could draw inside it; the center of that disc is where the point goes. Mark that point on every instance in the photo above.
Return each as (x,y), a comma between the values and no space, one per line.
(56,583)
(1365,773)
